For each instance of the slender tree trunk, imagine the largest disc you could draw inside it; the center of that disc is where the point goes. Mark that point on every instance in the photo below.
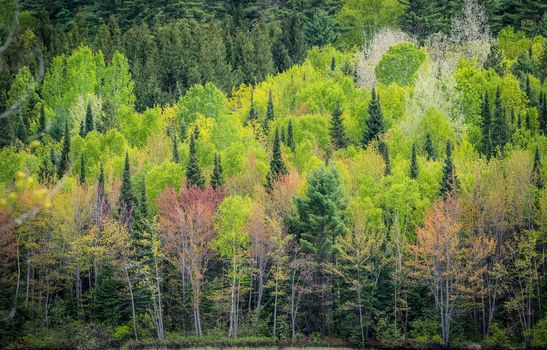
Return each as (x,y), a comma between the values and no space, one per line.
(132,303)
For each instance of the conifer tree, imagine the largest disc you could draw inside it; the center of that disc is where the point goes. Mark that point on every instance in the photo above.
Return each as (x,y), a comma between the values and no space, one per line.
(290,136)
(126,203)
(519,120)
(375,123)
(543,114)
(196,133)
(530,92)
(21,130)
(277,166)
(194,177)
(65,153)
(486,124)
(283,138)
(333,64)
(494,60)
(528,121)
(537,178)
(499,128)
(82,129)
(102,204)
(253,113)
(82,170)
(42,122)
(176,157)
(430,152)
(337,129)
(141,226)
(449,180)
(88,120)
(217,177)
(384,152)
(270,115)
(414,170)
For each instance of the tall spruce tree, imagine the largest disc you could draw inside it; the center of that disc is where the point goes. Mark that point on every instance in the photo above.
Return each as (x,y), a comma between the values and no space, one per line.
(375,123)
(89,120)
(494,60)
(194,177)
(414,170)
(519,120)
(449,180)
(384,152)
(543,113)
(176,157)
(537,177)
(486,126)
(182,130)
(82,170)
(430,151)
(141,226)
(217,177)
(82,129)
(65,153)
(500,131)
(337,129)
(253,113)
(290,136)
(126,202)
(270,115)
(277,166)
(528,122)
(102,204)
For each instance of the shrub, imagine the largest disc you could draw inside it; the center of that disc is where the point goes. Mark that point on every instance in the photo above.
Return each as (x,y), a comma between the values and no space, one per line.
(425,331)
(539,334)
(388,334)
(399,64)
(498,336)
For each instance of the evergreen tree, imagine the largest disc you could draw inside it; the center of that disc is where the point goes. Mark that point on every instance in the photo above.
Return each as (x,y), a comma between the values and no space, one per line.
(449,180)
(277,166)
(196,133)
(65,153)
(430,152)
(519,120)
(42,122)
(283,138)
(375,123)
(194,177)
(500,132)
(82,170)
(543,113)
(176,158)
(88,120)
(217,177)
(537,178)
(384,152)
(141,225)
(420,17)
(530,92)
(486,124)
(270,115)
(102,201)
(337,129)
(494,60)
(126,203)
(290,137)
(333,64)
(528,121)
(253,113)
(182,130)
(414,170)
(21,130)
(82,129)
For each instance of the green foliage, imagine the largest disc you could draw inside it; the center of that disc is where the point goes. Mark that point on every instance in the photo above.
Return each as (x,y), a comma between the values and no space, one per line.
(400,64)
(64,161)
(539,333)
(449,180)
(160,177)
(337,129)
(217,177)
(388,334)
(126,203)
(375,123)
(194,177)
(277,165)
(414,170)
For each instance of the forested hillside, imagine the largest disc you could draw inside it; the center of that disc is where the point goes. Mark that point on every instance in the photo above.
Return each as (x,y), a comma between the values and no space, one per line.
(339,172)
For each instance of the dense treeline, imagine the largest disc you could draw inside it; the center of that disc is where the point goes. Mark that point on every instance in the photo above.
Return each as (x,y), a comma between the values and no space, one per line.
(242,173)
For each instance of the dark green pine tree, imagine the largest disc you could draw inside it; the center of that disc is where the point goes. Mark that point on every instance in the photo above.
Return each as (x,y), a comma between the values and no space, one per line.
(283,138)
(333,64)
(430,151)
(383,149)
(65,153)
(375,123)
(530,93)
(543,113)
(277,166)
(270,115)
(486,125)
(21,130)
(449,180)
(500,131)
(519,120)
(176,157)
(88,120)
(537,177)
(42,122)
(196,133)
(194,177)
(82,170)
(141,225)
(337,129)
(414,170)
(528,121)
(253,113)
(290,136)
(494,60)
(217,177)
(102,204)
(82,129)
(420,17)
(126,203)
